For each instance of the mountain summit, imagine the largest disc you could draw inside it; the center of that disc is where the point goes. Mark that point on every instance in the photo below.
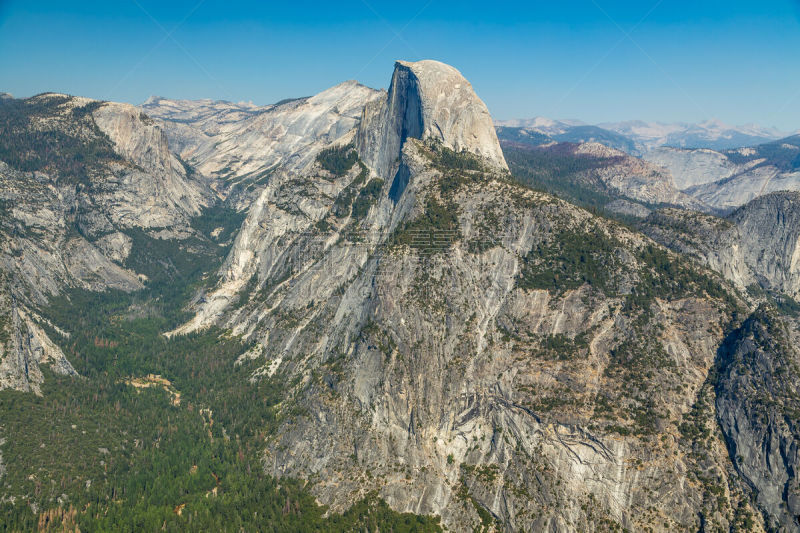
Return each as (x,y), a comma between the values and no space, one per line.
(380,309)
(427,100)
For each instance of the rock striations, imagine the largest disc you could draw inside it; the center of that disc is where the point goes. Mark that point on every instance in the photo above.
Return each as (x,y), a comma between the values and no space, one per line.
(427,100)
(454,341)
(470,348)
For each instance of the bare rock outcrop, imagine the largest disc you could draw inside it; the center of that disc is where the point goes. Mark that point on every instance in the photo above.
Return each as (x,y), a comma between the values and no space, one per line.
(758,244)
(241,145)
(727,179)
(757,403)
(25,349)
(426,100)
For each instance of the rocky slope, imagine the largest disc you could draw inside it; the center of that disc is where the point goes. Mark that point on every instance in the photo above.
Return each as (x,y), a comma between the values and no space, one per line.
(728,179)
(466,371)
(758,408)
(75,175)
(470,348)
(593,171)
(756,245)
(242,144)
(692,167)
(443,336)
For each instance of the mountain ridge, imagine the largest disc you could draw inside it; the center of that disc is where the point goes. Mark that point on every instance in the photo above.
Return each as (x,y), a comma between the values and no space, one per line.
(357,293)
(646,136)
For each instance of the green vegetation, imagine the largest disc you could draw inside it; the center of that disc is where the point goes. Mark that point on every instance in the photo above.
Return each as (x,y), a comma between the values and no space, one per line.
(571,259)
(592,257)
(35,137)
(558,171)
(786,305)
(130,459)
(107,452)
(787,159)
(435,230)
(366,198)
(486,518)
(447,159)
(343,204)
(522,136)
(561,347)
(219,217)
(338,159)
(670,277)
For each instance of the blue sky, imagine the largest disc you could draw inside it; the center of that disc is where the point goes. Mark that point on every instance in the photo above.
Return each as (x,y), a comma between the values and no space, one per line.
(596,60)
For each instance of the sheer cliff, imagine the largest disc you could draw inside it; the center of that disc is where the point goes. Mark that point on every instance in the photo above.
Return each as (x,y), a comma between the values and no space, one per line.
(756,246)
(470,348)
(758,406)
(391,314)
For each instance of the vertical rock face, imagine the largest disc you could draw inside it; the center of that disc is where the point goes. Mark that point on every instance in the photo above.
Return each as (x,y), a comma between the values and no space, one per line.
(25,349)
(758,404)
(427,100)
(758,243)
(770,230)
(436,326)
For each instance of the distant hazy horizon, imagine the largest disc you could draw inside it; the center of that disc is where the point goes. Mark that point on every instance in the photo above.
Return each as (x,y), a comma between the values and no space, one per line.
(595,61)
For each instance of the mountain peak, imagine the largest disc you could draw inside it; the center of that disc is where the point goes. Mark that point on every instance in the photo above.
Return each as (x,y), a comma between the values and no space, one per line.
(427,99)
(450,110)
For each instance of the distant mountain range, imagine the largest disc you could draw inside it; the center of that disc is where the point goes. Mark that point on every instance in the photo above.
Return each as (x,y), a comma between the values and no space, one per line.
(636,136)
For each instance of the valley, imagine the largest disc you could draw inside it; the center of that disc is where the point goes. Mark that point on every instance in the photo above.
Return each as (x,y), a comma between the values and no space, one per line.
(377,310)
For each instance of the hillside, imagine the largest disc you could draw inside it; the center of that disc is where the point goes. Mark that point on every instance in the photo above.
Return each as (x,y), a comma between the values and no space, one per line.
(361,311)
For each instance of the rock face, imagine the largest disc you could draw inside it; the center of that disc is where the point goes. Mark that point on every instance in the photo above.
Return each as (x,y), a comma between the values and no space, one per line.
(757,407)
(467,347)
(690,168)
(453,340)
(728,179)
(770,230)
(242,144)
(757,244)
(158,189)
(26,349)
(414,108)
(597,171)
(427,100)
(635,178)
(432,371)
(715,241)
(65,208)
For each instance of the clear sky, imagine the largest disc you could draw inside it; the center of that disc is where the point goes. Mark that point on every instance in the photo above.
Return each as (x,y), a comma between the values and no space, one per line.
(596,60)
